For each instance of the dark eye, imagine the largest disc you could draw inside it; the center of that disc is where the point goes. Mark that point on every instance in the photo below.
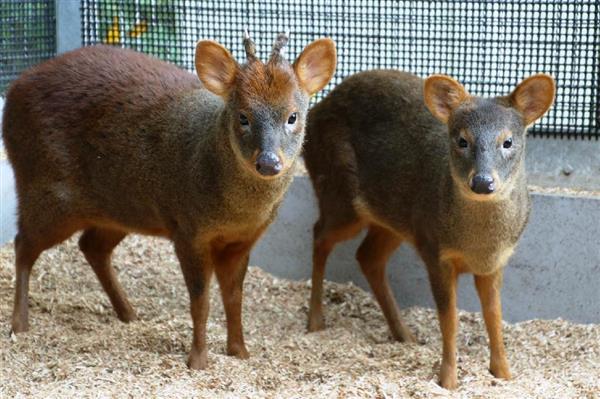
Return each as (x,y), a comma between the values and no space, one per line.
(244,120)
(507,143)
(292,118)
(462,143)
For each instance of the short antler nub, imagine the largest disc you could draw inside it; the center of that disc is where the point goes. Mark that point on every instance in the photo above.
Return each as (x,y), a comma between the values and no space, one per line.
(278,53)
(250,47)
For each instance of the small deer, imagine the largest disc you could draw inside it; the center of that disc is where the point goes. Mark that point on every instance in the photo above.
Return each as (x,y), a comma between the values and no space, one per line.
(111,142)
(423,162)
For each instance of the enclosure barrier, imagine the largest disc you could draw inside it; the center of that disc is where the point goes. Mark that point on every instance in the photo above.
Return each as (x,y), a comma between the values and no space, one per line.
(27,36)
(488,45)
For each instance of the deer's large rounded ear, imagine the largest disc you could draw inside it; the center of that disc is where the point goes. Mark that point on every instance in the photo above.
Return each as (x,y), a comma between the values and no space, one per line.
(442,95)
(533,97)
(316,65)
(215,67)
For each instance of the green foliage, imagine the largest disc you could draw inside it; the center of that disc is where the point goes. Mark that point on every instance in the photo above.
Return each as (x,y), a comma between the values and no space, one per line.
(150,26)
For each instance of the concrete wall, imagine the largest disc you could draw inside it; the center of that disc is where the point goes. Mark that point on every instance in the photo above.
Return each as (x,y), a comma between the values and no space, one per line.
(555,271)
(564,163)
(7,193)
(7,203)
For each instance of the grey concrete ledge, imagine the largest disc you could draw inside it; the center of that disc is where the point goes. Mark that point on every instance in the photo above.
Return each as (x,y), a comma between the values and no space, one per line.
(564,163)
(554,272)
(8,206)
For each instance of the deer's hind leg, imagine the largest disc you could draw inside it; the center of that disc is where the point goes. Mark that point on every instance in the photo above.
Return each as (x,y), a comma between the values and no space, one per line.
(97,245)
(32,239)
(326,236)
(26,253)
(373,255)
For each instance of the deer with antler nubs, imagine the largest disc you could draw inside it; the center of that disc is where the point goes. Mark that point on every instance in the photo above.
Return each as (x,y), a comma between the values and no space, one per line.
(112,142)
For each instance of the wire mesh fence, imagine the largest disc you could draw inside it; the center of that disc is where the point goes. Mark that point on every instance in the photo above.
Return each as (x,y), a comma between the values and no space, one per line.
(488,45)
(27,36)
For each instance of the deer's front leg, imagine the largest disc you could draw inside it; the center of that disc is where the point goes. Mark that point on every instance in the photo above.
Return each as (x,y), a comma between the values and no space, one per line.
(197,271)
(443,277)
(488,288)
(231,263)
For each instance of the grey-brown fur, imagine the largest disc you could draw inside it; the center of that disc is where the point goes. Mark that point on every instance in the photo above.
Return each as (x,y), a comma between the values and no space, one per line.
(379,159)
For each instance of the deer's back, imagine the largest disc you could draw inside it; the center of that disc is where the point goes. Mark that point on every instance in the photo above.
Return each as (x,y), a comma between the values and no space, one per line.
(100,124)
(94,93)
(88,85)
(373,137)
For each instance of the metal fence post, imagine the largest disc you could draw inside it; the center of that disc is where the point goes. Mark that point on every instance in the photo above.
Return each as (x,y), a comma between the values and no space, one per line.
(68,25)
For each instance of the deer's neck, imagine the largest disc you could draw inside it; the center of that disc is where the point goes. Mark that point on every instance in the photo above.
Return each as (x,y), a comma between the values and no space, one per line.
(489,225)
(482,235)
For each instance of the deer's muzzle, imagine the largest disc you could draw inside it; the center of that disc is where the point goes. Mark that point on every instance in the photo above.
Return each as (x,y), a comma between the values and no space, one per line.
(268,163)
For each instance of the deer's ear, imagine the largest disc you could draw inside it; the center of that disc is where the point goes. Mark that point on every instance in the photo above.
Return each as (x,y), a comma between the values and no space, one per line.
(215,67)
(442,95)
(316,65)
(533,97)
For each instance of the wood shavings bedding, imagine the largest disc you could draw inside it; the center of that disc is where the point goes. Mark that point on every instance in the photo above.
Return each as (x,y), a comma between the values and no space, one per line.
(76,347)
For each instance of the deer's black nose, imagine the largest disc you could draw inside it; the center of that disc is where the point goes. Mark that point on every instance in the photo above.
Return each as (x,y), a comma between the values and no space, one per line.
(482,184)
(268,164)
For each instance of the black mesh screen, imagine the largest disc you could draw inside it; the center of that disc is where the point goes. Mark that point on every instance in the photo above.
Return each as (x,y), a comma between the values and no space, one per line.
(27,36)
(488,45)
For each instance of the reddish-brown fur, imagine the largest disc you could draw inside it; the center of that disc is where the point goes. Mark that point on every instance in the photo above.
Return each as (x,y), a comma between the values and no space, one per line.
(111,142)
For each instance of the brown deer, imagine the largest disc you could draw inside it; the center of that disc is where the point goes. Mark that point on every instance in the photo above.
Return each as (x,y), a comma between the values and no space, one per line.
(111,142)
(450,180)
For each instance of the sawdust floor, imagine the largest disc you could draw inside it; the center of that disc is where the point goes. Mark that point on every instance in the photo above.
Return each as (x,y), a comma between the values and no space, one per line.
(76,347)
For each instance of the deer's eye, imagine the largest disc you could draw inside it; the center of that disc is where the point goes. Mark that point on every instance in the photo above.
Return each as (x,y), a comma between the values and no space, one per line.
(462,143)
(292,118)
(244,120)
(507,143)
